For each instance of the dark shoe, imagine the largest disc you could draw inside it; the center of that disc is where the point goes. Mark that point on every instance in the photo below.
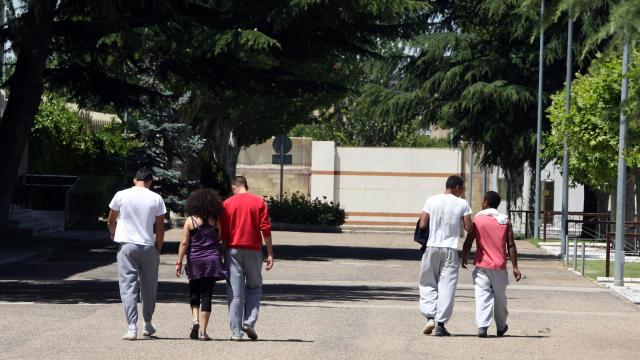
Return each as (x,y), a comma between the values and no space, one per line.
(503,331)
(149,329)
(194,331)
(441,330)
(482,332)
(204,337)
(250,331)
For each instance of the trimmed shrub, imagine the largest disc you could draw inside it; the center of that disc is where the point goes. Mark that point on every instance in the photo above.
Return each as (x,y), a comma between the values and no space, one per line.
(300,209)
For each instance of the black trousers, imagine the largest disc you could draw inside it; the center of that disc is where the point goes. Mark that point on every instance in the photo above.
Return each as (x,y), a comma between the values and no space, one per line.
(200,292)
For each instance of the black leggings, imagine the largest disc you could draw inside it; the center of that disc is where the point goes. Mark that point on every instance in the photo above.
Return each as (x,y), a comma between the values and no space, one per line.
(200,292)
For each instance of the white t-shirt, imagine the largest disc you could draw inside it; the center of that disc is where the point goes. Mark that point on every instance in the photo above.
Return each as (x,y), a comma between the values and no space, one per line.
(445,216)
(138,207)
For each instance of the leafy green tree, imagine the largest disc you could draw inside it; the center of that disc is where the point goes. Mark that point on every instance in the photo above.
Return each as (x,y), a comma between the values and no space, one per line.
(57,132)
(592,124)
(123,54)
(592,127)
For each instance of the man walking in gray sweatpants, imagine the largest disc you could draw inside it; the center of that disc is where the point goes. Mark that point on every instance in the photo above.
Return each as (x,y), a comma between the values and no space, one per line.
(245,224)
(133,213)
(443,214)
(494,236)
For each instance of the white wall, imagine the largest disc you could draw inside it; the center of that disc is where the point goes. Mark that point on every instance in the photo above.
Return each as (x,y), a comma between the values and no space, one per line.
(382,186)
(323,159)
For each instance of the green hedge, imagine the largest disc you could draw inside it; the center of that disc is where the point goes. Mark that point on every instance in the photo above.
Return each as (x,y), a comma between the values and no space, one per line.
(88,200)
(299,209)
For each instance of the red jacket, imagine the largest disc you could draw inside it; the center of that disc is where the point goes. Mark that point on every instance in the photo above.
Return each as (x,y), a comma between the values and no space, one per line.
(245,219)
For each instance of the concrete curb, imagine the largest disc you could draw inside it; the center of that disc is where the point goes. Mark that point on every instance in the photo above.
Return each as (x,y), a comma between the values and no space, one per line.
(631,294)
(278,226)
(625,292)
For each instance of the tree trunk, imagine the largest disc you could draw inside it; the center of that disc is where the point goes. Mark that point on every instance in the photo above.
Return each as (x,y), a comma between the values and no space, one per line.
(217,165)
(26,87)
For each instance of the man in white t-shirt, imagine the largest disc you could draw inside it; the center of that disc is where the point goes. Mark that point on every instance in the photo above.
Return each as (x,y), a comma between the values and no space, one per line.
(133,213)
(443,214)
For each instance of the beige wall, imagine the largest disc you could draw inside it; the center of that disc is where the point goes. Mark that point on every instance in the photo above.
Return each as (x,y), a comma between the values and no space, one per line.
(387,187)
(254,163)
(377,187)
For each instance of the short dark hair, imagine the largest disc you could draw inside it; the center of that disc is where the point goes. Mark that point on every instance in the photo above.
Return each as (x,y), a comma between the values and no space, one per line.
(240,181)
(454,181)
(204,203)
(144,174)
(493,199)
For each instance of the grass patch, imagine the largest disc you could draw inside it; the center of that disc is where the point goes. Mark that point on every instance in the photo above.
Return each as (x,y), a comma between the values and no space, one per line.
(535,242)
(31,242)
(595,268)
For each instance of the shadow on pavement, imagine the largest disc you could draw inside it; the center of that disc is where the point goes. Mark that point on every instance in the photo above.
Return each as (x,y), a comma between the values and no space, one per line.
(329,252)
(106,292)
(62,263)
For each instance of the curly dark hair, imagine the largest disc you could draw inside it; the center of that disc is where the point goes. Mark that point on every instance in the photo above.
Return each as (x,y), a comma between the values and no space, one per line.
(204,203)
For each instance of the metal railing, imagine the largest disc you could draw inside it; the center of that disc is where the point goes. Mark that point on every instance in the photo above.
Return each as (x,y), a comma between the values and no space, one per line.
(581,225)
(581,228)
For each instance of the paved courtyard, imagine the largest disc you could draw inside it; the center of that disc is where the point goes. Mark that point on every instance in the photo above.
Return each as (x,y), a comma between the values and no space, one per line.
(329,296)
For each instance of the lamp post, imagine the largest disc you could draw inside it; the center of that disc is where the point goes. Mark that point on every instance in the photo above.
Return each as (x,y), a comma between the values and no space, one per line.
(536,224)
(564,233)
(618,279)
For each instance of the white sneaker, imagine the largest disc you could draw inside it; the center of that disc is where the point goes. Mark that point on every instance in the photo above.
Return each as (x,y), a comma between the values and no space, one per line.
(130,335)
(250,331)
(149,329)
(428,328)
(236,337)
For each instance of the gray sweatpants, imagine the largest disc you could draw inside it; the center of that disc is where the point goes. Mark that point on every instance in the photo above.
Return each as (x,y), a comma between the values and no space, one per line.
(491,296)
(438,280)
(244,287)
(138,274)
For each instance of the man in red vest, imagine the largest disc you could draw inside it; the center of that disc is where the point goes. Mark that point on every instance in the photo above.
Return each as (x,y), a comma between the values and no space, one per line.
(494,236)
(245,224)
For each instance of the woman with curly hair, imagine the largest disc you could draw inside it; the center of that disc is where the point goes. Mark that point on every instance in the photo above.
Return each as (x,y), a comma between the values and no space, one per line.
(201,244)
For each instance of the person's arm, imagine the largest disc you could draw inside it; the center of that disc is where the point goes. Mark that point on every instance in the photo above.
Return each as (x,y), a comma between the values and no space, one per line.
(112,221)
(182,250)
(513,253)
(424,220)
(221,233)
(159,232)
(267,241)
(265,229)
(466,248)
(467,223)
(160,211)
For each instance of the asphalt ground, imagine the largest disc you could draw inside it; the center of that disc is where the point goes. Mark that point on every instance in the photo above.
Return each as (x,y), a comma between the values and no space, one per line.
(329,296)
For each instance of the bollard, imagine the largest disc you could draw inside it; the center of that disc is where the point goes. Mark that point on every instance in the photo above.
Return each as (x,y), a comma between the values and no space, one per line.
(584,246)
(575,254)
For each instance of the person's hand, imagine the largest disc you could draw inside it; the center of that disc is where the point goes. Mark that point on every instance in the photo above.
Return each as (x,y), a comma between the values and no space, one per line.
(463,261)
(178,269)
(517,274)
(269,262)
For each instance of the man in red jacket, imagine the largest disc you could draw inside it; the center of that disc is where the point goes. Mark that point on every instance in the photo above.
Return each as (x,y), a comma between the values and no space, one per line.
(245,223)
